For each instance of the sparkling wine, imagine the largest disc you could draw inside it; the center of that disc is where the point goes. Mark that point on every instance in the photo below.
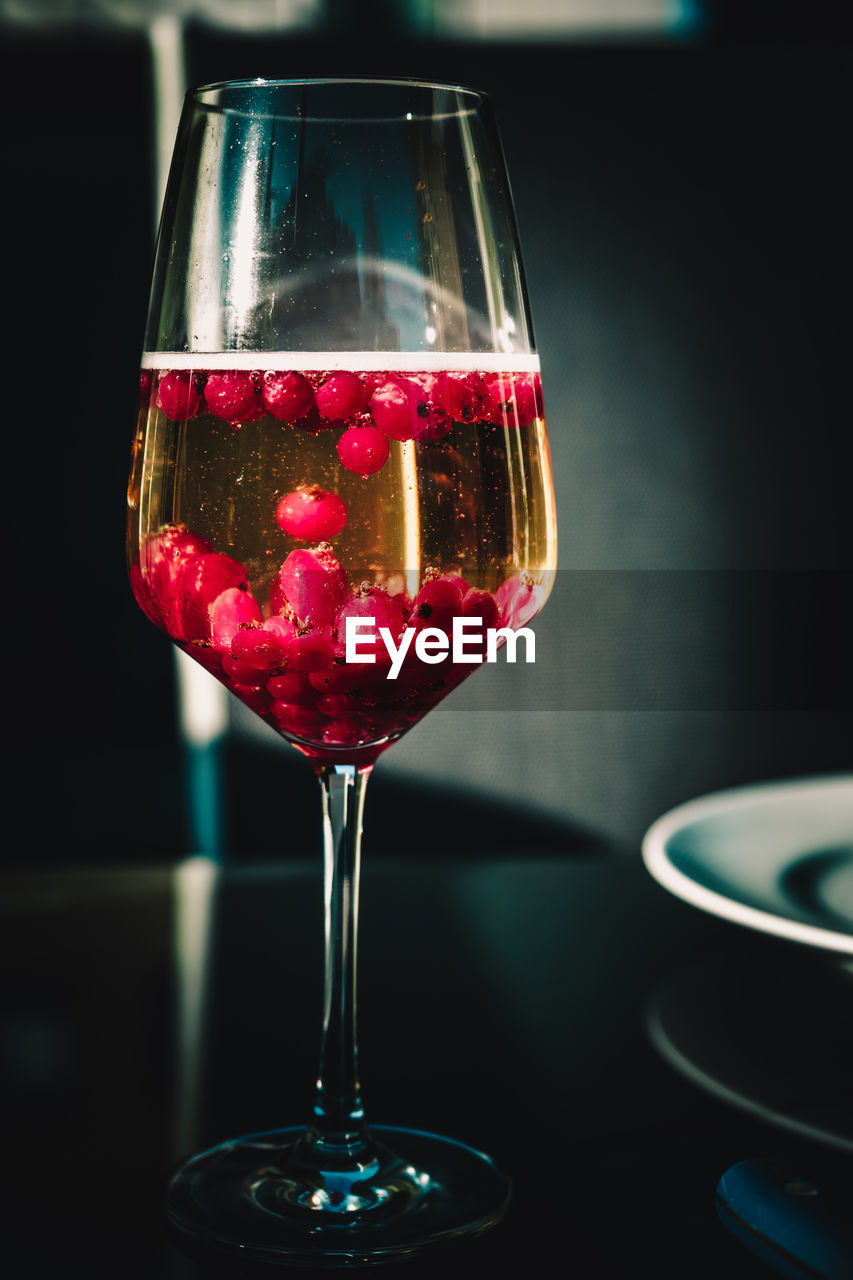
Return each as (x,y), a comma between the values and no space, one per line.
(271,501)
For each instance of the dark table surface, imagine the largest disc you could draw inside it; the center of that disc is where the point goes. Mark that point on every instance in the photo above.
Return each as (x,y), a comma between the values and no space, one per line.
(613,1049)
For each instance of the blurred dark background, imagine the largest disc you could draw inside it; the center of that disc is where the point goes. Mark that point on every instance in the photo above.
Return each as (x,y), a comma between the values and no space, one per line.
(681,190)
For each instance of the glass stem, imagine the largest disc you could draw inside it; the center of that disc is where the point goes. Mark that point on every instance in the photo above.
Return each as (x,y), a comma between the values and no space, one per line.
(339,1121)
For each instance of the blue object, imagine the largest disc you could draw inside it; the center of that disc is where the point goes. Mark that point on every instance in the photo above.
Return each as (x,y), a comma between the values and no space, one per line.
(799,1227)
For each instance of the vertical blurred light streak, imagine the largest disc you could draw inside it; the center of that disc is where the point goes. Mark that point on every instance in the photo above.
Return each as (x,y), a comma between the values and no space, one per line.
(195,882)
(202,711)
(491,269)
(502,325)
(202,701)
(411,519)
(166,38)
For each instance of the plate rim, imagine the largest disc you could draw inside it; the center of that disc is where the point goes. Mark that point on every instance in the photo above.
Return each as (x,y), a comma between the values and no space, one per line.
(654,850)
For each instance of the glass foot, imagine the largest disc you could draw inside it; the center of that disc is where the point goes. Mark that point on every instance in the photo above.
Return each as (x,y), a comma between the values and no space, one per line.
(269,1197)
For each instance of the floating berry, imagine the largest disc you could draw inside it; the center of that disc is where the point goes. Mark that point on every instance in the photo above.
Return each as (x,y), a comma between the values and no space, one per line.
(481,604)
(177,395)
(160,559)
(394,408)
(433,409)
(287,396)
(337,706)
(232,395)
(465,393)
(308,651)
(281,627)
(437,604)
(231,610)
(313,423)
(519,599)
(314,584)
(340,396)
(455,577)
(199,580)
(311,514)
(259,649)
(363,450)
(242,674)
(372,602)
(510,402)
(293,687)
(342,677)
(537,395)
(433,423)
(414,680)
(145,380)
(169,548)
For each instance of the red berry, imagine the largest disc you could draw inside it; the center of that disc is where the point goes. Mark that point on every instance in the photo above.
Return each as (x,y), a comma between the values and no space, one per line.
(281,627)
(308,651)
(481,604)
(519,600)
(510,402)
(537,395)
(166,550)
(341,677)
(465,394)
(258,649)
(287,396)
(394,408)
(200,579)
(385,610)
(363,450)
(337,706)
(437,604)
(456,577)
(160,559)
(340,396)
(146,377)
(242,674)
(292,687)
(177,395)
(232,395)
(312,424)
(433,410)
(304,722)
(314,585)
(311,514)
(433,423)
(231,610)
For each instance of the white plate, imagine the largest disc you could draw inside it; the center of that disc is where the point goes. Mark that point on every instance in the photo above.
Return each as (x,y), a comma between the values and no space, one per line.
(776,857)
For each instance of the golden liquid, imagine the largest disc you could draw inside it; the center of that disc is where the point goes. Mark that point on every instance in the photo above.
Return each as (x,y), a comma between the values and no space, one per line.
(480,501)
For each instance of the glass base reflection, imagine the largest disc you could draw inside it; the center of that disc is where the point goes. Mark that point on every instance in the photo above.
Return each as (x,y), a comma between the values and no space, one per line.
(270,1197)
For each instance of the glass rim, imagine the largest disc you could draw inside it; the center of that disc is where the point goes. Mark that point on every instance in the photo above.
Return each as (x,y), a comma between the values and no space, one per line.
(197,94)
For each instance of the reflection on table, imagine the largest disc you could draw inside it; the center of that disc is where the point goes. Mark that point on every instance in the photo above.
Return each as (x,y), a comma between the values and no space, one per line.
(506,1002)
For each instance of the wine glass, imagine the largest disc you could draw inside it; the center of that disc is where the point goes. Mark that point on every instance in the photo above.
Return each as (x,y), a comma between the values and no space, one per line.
(340,504)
